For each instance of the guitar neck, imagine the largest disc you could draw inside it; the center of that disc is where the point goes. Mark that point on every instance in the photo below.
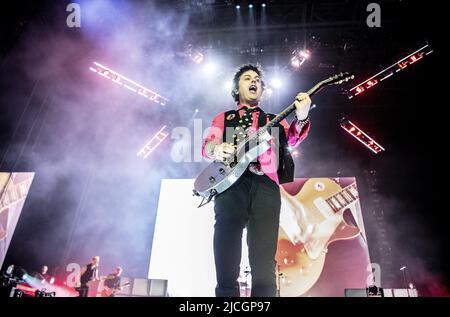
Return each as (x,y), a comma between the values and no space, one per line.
(283,114)
(344,198)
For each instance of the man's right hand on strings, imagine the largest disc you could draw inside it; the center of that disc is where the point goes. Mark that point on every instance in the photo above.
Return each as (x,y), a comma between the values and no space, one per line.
(223,151)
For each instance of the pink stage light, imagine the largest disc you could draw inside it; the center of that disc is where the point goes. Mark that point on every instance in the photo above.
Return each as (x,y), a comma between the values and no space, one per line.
(154,142)
(128,84)
(299,57)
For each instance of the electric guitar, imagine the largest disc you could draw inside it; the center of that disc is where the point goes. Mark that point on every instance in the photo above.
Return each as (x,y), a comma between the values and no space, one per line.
(220,175)
(107,292)
(310,221)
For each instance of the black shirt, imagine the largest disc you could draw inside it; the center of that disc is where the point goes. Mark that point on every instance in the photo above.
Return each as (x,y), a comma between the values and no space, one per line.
(42,276)
(89,275)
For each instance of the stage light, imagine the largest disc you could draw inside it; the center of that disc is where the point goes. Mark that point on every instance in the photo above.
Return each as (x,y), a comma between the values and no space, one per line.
(362,137)
(229,85)
(197,57)
(24,276)
(295,62)
(389,71)
(194,54)
(209,68)
(128,83)
(238,6)
(263,5)
(276,83)
(299,57)
(154,142)
(250,6)
(196,110)
(304,53)
(359,90)
(371,83)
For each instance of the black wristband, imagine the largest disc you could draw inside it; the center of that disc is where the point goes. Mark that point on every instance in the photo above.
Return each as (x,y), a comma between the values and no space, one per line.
(302,121)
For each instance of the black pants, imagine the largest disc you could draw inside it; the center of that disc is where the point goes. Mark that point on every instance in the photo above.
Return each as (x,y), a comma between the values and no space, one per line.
(252,202)
(83,290)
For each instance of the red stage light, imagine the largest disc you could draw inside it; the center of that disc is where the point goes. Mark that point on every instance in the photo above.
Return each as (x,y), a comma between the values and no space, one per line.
(359,90)
(403,65)
(389,71)
(371,83)
(362,137)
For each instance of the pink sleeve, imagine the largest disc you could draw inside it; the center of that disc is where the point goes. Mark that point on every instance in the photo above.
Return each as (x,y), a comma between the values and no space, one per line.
(215,131)
(293,136)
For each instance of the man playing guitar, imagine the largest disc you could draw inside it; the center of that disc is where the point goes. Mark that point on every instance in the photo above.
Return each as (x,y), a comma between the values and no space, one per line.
(112,283)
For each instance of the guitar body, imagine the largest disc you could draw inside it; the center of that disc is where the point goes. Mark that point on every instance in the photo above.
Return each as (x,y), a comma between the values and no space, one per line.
(107,292)
(219,176)
(302,262)
(299,271)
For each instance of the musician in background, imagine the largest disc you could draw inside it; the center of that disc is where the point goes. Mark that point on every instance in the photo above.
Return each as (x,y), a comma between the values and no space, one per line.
(112,283)
(88,274)
(43,275)
(254,201)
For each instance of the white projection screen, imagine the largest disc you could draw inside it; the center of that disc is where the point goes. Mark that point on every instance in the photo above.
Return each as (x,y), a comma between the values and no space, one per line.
(322,248)
(14,189)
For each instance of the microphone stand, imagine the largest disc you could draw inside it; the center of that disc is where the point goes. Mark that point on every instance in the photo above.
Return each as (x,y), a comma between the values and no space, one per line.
(279,281)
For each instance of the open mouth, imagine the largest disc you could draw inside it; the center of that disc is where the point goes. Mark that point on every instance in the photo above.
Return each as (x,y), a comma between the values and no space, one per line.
(253,88)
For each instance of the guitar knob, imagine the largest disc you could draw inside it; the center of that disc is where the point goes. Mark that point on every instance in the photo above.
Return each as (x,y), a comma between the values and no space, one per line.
(212,179)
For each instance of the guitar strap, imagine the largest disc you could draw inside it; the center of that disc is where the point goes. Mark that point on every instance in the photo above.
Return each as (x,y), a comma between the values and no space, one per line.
(286,164)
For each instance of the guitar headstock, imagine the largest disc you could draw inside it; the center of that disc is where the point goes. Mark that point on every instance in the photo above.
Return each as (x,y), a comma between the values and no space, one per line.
(339,79)
(333,80)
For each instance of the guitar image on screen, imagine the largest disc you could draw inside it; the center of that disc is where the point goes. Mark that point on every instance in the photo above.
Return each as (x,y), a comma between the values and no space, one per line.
(309,222)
